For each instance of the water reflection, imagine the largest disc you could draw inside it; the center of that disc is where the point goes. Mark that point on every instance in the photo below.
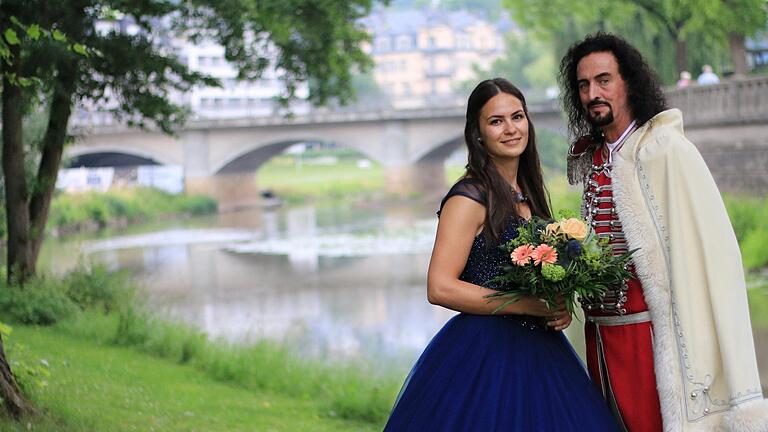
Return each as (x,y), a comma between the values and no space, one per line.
(333,283)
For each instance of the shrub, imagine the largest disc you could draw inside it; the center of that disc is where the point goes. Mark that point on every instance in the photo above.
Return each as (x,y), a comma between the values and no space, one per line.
(77,210)
(41,301)
(754,248)
(748,216)
(97,210)
(66,212)
(196,205)
(97,288)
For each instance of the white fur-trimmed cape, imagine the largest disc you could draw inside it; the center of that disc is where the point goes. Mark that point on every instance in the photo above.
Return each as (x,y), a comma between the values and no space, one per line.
(690,268)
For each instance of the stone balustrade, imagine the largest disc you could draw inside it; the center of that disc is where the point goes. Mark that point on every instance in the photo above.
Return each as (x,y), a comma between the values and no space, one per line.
(733,102)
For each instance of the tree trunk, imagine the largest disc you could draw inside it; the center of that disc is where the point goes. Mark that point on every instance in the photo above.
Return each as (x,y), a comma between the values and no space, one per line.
(681,55)
(16,194)
(53,148)
(738,54)
(12,402)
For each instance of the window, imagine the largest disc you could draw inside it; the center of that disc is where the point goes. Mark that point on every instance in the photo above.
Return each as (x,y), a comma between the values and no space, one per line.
(462,41)
(403,43)
(383,44)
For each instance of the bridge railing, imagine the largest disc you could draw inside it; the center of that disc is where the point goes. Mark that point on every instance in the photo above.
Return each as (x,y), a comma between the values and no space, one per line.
(732,102)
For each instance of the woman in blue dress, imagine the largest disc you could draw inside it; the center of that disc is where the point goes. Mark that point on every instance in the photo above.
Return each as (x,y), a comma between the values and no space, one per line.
(513,370)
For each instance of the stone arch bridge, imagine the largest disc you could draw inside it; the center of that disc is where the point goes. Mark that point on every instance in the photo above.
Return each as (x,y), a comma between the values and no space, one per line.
(729,123)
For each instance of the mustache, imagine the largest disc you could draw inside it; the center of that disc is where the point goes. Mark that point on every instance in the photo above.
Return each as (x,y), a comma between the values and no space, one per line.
(596,102)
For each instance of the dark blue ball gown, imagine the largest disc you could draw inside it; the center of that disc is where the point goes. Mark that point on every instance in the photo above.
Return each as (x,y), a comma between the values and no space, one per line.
(497,373)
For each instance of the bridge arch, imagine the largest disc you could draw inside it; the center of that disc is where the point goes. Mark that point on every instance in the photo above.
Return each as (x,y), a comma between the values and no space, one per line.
(116,153)
(440,152)
(249,158)
(108,159)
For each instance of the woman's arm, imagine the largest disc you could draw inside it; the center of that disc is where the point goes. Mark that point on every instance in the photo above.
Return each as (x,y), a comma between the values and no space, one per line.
(461,219)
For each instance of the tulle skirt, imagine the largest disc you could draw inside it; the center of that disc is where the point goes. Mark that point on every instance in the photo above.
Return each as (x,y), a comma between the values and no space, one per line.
(491,373)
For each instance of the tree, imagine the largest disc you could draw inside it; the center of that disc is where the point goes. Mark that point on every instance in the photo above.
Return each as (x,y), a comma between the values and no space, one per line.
(701,26)
(12,400)
(316,41)
(678,18)
(730,20)
(735,20)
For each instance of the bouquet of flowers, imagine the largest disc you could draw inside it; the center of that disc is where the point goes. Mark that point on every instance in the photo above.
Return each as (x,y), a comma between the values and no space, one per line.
(560,259)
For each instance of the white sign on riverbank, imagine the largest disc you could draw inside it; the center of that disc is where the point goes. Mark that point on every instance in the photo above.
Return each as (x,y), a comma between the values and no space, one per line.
(85,179)
(169,178)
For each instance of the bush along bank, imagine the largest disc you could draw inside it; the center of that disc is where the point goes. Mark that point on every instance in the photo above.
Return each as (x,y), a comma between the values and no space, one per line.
(101,307)
(748,216)
(76,212)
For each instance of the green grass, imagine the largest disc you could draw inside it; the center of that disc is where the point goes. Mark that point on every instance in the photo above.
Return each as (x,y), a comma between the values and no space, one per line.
(94,387)
(297,183)
(74,211)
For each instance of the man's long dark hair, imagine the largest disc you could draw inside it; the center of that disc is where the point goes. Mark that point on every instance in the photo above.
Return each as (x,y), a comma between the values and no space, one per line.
(500,205)
(645,97)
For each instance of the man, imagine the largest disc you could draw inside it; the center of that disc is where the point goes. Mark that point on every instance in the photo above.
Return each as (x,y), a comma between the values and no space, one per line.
(673,349)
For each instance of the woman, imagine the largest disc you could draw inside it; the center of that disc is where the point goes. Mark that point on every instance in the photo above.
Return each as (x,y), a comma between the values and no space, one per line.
(513,370)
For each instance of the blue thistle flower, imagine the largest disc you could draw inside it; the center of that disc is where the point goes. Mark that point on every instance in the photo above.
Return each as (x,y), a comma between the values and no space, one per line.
(573,249)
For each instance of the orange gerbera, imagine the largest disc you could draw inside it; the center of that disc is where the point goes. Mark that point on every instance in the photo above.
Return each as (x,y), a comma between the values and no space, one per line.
(544,254)
(522,255)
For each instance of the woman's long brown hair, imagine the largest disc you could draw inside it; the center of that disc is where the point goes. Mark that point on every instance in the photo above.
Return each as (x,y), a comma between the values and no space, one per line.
(500,205)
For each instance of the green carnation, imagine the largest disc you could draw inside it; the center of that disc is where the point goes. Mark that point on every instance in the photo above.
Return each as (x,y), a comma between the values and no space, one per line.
(553,272)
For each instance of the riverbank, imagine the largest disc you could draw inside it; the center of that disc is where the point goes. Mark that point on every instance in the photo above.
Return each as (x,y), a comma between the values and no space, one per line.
(73,213)
(96,387)
(91,211)
(98,312)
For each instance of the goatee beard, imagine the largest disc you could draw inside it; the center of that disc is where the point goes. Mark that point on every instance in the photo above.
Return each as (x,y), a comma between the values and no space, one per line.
(600,121)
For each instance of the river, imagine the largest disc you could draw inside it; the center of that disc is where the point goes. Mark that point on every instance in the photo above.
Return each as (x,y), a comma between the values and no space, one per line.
(335,282)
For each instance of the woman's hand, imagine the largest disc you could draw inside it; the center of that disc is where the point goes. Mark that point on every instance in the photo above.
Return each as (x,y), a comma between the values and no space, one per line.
(558,319)
(534,306)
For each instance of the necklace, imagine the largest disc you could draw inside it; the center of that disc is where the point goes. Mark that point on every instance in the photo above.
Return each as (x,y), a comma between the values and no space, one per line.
(518,196)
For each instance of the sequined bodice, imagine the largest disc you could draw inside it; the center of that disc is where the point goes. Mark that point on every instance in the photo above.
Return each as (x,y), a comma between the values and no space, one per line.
(485,261)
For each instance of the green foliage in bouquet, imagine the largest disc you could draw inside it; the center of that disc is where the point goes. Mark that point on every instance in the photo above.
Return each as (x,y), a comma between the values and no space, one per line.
(564,259)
